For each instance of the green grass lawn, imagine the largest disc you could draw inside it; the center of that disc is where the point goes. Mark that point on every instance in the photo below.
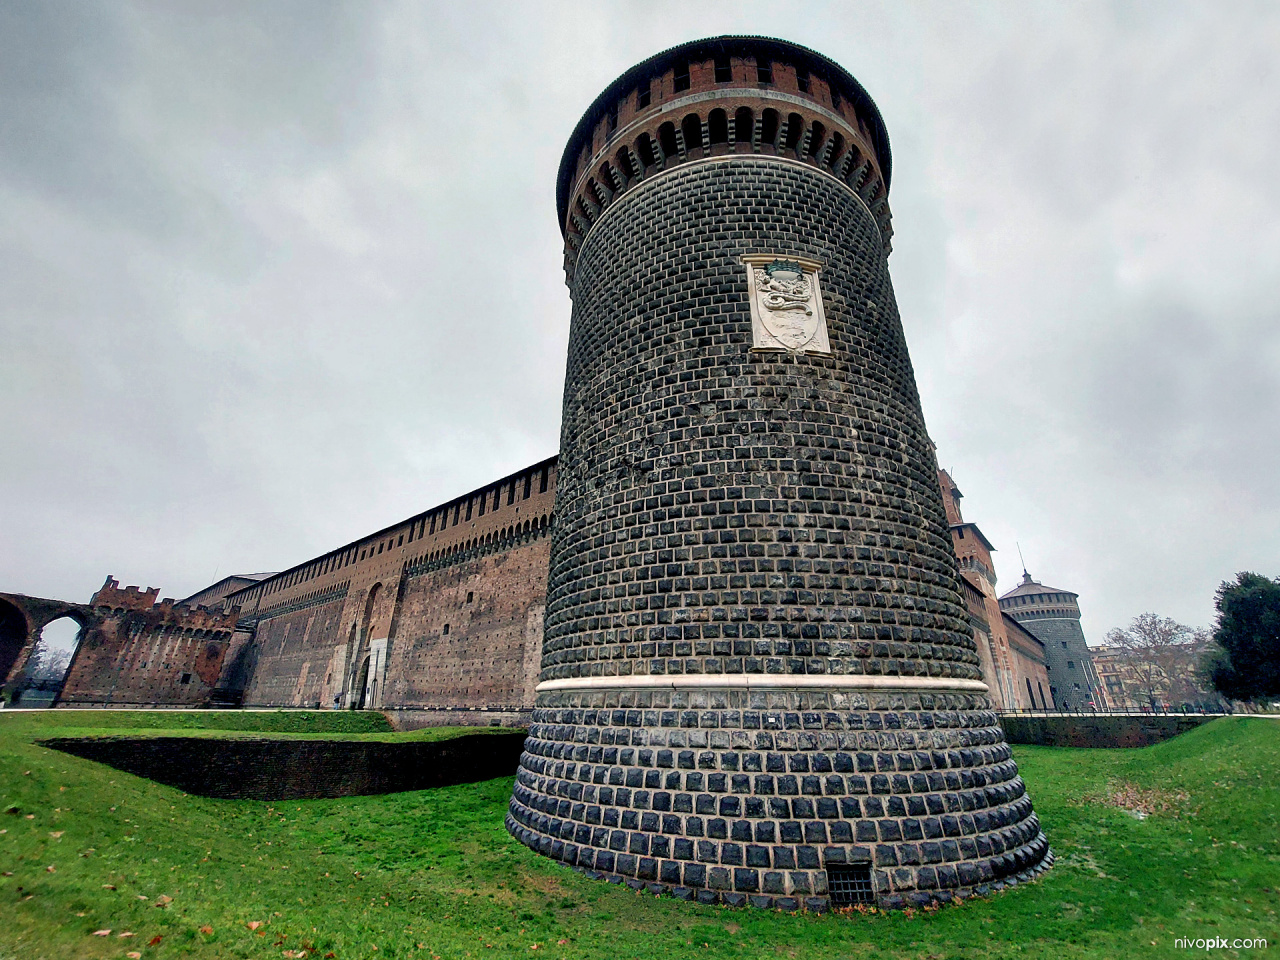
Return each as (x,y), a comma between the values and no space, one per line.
(433,874)
(275,724)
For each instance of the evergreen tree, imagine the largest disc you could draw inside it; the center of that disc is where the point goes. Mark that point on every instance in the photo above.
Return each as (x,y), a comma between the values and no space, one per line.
(1244,661)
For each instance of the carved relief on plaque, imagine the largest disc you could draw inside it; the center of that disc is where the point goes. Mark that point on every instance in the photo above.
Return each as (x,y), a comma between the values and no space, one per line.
(786,304)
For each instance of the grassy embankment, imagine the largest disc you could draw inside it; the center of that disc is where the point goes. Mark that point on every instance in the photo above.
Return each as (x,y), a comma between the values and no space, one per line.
(432,874)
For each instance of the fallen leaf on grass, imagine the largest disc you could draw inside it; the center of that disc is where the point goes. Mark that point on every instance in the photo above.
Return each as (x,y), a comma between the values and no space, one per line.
(206,929)
(51,869)
(127,933)
(56,833)
(561,943)
(108,886)
(102,933)
(254,924)
(154,941)
(134,955)
(163,900)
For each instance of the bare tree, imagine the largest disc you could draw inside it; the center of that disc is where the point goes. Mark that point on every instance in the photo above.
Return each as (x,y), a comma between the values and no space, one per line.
(48,663)
(1161,655)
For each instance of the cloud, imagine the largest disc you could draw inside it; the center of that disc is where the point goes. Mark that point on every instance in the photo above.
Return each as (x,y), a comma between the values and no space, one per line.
(272,278)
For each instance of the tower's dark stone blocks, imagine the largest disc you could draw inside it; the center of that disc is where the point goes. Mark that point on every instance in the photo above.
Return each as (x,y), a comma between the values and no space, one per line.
(757,662)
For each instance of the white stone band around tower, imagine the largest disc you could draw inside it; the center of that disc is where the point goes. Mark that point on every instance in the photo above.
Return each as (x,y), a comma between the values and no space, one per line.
(761,681)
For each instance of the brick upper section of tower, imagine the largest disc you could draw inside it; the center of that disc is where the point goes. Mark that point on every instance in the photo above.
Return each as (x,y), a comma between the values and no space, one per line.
(723,97)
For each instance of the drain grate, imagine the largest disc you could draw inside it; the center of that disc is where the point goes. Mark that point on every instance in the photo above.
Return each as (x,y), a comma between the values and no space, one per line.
(850,884)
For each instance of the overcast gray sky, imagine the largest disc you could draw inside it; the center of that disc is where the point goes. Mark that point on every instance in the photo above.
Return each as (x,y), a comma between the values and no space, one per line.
(275,275)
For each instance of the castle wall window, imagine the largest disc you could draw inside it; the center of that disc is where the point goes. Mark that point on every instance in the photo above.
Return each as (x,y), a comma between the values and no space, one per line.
(769,127)
(613,118)
(528,486)
(693,129)
(446,629)
(718,126)
(681,79)
(644,145)
(802,79)
(642,96)
(542,486)
(764,71)
(511,493)
(837,148)
(795,126)
(724,72)
(484,500)
(623,158)
(667,140)
(817,138)
(743,121)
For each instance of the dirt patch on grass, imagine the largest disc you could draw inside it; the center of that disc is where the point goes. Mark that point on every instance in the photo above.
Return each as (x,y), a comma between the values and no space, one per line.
(1143,802)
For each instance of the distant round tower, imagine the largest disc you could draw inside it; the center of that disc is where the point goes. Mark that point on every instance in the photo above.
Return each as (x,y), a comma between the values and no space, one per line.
(1052,615)
(758,679)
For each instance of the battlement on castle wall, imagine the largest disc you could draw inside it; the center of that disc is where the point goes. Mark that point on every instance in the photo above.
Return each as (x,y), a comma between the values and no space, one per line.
(113,596)
(502,511)
(112,599)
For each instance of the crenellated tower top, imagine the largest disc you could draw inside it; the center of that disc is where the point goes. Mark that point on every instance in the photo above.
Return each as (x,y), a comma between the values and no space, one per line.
(722,96)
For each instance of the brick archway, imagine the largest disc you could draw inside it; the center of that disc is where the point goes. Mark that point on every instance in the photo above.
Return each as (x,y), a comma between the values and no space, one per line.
(21,620)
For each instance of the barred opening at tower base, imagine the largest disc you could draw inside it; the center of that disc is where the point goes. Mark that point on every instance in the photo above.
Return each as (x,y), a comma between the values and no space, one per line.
(759,683)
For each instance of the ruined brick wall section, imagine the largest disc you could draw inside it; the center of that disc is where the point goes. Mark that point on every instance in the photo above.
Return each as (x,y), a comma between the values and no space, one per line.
(117,599)
(147,654)
(492,610)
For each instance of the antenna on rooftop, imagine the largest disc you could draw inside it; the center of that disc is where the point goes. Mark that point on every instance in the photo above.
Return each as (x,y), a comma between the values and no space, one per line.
(1026,577)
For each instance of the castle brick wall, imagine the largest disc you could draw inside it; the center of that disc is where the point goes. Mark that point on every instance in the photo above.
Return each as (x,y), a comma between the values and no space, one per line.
(492,607)
(141,653)
(364,625)
(291,657)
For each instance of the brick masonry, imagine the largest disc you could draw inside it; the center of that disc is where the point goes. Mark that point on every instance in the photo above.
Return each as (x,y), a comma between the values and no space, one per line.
(1114,730)
(757,662)
(248,768)
(438,618)
(136,651)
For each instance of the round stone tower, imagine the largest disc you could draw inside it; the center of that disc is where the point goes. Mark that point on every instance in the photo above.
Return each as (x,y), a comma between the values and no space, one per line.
(1052,615)
(758,680)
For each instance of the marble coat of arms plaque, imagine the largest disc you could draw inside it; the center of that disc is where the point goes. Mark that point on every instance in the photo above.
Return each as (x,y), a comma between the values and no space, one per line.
(786,304)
